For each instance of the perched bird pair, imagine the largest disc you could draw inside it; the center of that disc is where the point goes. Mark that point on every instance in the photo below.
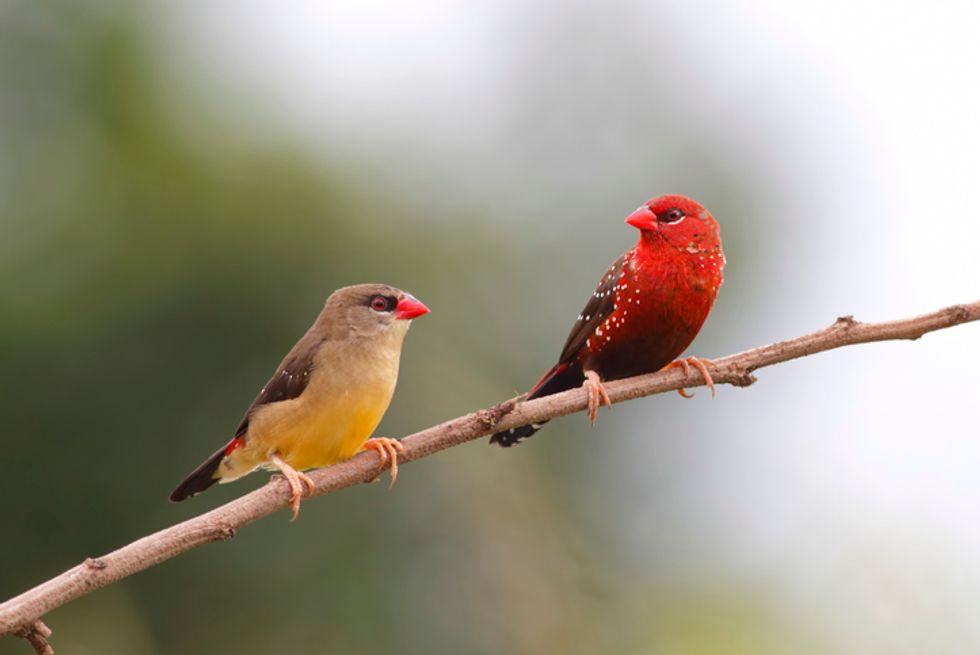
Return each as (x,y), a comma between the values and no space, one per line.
(334,386)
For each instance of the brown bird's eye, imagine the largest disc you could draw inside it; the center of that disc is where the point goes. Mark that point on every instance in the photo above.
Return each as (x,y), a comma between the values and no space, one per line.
(671,215)
(380,304)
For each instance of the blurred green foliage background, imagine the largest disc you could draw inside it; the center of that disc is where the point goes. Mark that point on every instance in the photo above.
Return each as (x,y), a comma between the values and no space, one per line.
(165,241)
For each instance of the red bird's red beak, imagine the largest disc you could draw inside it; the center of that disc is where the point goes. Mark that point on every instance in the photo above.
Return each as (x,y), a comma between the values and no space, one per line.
(409,307)
(643,219)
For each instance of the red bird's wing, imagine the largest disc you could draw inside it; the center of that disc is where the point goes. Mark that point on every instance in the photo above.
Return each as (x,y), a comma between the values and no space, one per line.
(600,305)
(567,373)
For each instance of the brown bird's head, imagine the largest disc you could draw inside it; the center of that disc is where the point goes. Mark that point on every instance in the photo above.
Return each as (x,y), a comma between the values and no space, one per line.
(369,310)
(679,221)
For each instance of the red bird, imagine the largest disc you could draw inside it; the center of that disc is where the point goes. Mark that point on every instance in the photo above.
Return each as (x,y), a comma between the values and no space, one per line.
(647,309)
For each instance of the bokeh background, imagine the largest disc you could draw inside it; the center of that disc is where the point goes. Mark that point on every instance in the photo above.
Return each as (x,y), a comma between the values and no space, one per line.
(183,183)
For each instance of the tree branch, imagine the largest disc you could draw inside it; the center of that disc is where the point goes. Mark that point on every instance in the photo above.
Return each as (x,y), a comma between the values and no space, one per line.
(21,615)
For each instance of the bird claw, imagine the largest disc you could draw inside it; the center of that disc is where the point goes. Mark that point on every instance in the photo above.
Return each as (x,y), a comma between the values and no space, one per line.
(296,480)
(699,364)
(593,386)
(388,450)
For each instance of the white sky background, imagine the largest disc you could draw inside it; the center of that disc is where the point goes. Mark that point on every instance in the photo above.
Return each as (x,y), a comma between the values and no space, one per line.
(869,512)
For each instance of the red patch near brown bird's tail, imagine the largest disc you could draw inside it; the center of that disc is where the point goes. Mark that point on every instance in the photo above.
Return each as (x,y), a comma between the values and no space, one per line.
(233,444)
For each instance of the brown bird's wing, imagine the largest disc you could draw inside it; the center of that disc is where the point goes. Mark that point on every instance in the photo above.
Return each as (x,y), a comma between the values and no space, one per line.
(289,380)
(600,305)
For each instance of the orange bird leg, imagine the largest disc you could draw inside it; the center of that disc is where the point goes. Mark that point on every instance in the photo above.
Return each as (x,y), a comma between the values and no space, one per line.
(596,391)
(388,449)
(296,480)
(699,364)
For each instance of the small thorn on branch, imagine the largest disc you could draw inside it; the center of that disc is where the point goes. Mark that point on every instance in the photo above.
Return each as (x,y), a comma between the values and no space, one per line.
(490,417)
(95,563)
(486,418)
(743,379)
(223,532)
(961,314)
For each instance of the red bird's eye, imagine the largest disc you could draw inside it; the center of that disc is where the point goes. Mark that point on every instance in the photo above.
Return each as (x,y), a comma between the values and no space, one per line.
(671,215)
(379,303)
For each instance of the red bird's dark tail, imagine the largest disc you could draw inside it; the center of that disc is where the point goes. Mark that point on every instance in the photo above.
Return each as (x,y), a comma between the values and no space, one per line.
(200,478)
(515,436)
(562,377)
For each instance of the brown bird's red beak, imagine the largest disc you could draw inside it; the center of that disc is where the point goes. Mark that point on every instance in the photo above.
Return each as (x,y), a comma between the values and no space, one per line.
(643,219)
(409,307)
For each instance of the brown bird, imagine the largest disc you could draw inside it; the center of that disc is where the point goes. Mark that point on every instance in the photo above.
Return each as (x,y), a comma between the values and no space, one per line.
(325,399)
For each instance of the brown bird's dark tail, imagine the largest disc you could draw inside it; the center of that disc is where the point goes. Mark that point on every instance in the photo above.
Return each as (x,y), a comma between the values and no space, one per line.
(561,377)
(200,479)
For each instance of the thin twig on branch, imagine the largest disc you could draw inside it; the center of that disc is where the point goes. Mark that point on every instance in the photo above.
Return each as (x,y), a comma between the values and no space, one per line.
(36,634)
(21,615)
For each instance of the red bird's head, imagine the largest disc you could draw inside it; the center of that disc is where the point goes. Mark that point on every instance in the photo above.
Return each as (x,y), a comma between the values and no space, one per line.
(678,221)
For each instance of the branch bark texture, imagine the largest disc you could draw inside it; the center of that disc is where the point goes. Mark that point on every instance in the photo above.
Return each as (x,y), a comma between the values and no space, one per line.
(21,615)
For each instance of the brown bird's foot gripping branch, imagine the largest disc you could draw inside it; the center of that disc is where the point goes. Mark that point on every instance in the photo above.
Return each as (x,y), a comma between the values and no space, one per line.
(296,480)
(388,449)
